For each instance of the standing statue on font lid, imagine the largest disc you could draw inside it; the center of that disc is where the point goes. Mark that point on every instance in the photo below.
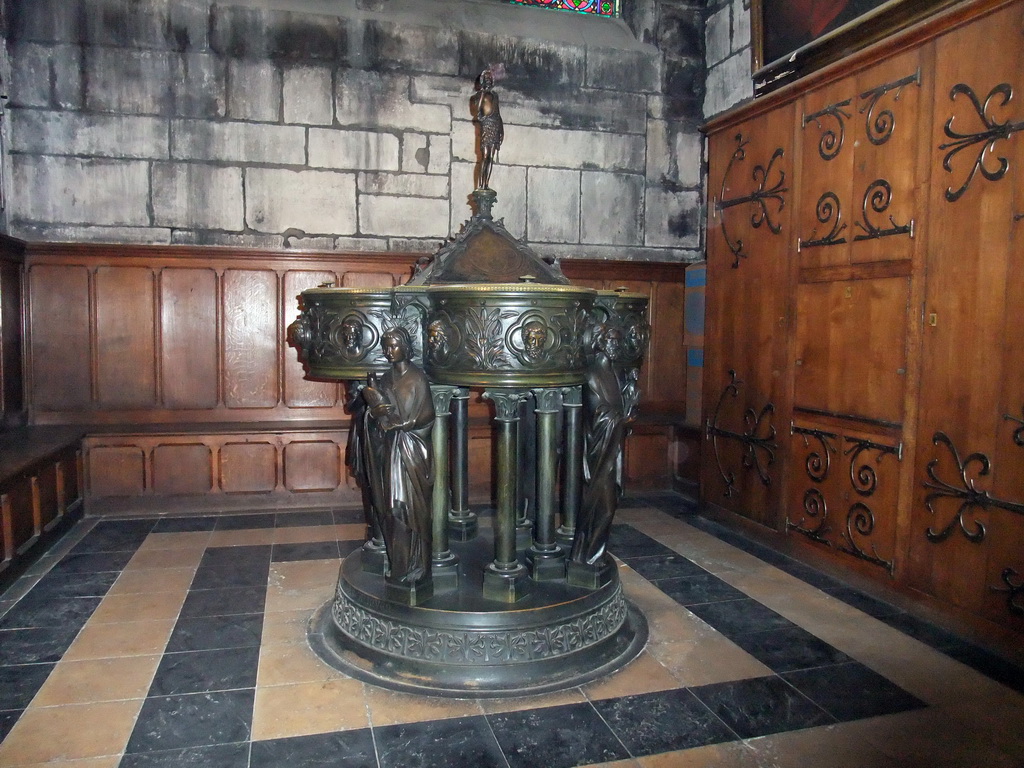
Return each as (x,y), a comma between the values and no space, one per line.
(399,418)
(492,130)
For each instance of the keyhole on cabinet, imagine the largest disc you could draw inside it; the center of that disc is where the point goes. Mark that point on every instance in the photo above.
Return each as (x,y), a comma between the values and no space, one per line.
(933,319)
(849,291)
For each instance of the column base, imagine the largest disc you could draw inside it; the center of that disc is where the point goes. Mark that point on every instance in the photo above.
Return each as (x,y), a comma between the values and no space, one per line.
(375,557)
(462,527)
(590,576)
(409,594)
(506,586)
(524,535)
(444,571)
(546,566)
(564,536)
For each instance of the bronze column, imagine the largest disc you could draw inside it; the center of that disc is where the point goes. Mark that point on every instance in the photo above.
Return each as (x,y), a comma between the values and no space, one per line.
(572,478)
(444,564)
(506,579)
(547,560)
(462,522)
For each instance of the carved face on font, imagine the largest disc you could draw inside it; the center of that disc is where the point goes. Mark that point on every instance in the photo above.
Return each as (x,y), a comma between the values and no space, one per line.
(352,335)
(535,337)
(396,345)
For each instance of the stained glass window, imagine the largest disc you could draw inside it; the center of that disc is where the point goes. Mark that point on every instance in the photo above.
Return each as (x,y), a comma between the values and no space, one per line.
(594,7)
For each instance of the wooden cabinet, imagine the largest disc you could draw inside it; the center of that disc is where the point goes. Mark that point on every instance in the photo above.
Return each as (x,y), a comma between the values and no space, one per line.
(879,208)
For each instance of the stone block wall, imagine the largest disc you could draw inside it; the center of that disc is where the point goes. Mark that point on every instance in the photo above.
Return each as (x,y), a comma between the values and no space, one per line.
(345,124)
(727,37)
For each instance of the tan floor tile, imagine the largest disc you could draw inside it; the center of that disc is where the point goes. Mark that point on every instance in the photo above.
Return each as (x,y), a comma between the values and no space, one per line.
(644,674)
(243,538)
(110,761)
(47,734)
(306,584)
(710,553)
(80,682)
(828,747)
(733,754)
(306,708)
(296,663)
(931,737)
(351,532)
(628,763)
(129,638)
(519,703)
(285,627)
(712,660)
(166,558)
(139,607)
(179,540)
(392,707)
(301,534)
(147,580)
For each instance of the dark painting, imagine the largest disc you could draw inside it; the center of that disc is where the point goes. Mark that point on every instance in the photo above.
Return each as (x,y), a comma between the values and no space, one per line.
(793,37)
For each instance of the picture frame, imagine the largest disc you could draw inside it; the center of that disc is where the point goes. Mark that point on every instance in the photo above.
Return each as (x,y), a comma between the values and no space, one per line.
(791,38)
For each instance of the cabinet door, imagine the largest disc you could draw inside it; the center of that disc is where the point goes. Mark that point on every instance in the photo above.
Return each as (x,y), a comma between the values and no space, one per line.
(747,321)
(969,476)
(859,166)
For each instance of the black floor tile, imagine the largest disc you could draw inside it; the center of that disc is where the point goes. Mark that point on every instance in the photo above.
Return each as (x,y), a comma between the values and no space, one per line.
(760,706)
(245,522)
(207,633)
(228,557)
(556,737)
(349,516)
(852,691)
(464,742)
(33,611)
(664,567)
(988,663)
(203,671)
(627,542)
(7,720)
(239,575)
(346,548)
(91,562)
(315,550)
(192,720)
(58,586)
(922,630)
(294,519)
(737,617)
(184,524)
(34,646)
(19,684)
(866,603)
(345,749)
(704,588)
(789,649)
(114,536)
(662,722)
(215,756)
(223,601)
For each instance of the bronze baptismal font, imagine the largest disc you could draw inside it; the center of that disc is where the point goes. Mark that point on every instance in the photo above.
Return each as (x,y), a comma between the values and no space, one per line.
(440,599)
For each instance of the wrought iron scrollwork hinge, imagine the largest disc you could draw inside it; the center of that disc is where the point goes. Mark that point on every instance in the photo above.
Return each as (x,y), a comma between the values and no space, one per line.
(759,450)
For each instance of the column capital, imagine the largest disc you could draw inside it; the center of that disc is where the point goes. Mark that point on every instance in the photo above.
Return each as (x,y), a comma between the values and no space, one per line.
(506,403)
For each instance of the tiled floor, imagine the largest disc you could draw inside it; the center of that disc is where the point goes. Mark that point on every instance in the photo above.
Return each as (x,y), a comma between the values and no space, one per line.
(182,642)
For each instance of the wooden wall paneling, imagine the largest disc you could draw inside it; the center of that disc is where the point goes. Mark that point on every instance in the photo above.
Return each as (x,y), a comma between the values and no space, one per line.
(181,468)
(851,347)
(115,469)
(647,457)
(824,216)
(885,198)
(12,394)
(19,514)
(313,465)
(668,375)
(360,279)
(748,314)
(60,342)
(189,375)
(251,338)
(298,390)
(46,494)
(6,528)
(248,467)
(963,362)
(125,351)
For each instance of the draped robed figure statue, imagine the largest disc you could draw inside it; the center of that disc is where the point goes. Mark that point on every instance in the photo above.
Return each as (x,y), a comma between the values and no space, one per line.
(398,420)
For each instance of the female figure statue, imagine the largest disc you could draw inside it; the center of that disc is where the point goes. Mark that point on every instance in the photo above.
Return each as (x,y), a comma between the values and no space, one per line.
(399,418)
(606,415)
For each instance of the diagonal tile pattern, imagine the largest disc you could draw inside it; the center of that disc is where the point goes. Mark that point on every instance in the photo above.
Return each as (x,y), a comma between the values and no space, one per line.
(181,641)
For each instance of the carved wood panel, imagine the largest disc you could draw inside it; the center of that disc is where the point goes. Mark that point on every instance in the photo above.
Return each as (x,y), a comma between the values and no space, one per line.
(60,350)
(182,468)
(251,338)
(126,337)
(189,375)
(313,465)
(249,467)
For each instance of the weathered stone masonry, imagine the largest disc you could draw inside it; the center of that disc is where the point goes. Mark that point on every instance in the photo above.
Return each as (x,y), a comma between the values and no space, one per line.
(344,124)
